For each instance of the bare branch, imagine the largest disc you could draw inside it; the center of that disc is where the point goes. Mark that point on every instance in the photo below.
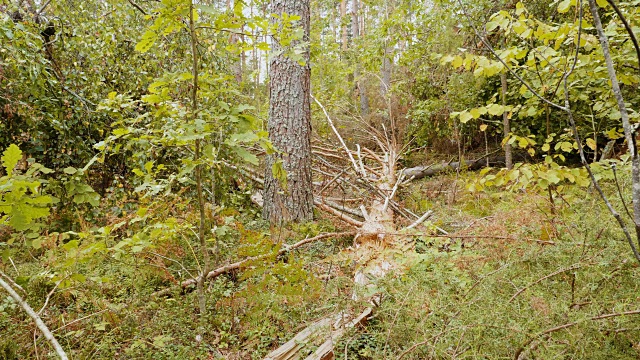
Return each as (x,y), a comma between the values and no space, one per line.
(41,325)
(225,269)
(335,131)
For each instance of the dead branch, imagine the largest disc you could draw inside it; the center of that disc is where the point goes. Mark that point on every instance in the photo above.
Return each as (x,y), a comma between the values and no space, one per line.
(326,349)
(420,220)
(522,348)
(290,349)
(225,269)
(41,325)
(340,215)
(344,145)
(420,172)
(342,208)
(572,267)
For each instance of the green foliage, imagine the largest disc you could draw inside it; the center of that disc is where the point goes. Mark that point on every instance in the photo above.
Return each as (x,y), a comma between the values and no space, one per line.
(22,202)
(538,50)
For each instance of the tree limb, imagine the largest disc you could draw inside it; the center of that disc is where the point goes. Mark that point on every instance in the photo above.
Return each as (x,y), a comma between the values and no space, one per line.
(41,325)
(224,269)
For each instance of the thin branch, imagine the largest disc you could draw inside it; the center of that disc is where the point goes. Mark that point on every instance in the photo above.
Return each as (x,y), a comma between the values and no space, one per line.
(490,48)
(43,8)
(572,267)
(80,319)
(634,40)
(344,145)
(568,325)
(340,215)
(420,220)
(137,7)
(628,131)
(10,280)
(46,302)
(41,325)
(615,178)
(225,269)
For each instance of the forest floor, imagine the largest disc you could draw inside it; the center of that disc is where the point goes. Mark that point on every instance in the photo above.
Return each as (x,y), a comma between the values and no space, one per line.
(513,277)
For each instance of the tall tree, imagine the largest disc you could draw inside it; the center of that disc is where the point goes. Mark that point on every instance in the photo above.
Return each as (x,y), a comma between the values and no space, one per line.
(364,100)
(289,125)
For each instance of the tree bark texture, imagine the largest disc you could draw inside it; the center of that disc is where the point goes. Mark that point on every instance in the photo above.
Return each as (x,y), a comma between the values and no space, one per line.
(343,25)
(289,126)
(362,92)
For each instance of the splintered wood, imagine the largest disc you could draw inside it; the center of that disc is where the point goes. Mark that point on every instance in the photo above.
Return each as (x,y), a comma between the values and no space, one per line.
(357,187)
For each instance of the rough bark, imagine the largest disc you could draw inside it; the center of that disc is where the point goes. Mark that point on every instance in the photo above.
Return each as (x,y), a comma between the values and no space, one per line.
(364,100)
(343,24)
(289,127)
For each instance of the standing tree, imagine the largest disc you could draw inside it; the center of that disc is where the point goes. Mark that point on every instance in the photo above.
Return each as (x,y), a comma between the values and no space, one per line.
(289,123)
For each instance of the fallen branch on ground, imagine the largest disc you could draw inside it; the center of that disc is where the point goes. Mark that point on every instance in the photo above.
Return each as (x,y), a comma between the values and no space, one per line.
(41,325)
(225,269)
(566,326)
(420,172)
(572,267)
(335,326)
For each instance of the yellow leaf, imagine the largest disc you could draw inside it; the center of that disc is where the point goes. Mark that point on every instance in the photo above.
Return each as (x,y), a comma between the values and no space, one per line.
(483,127)
(465,116)
(591,144)
(457,61)
(563,7)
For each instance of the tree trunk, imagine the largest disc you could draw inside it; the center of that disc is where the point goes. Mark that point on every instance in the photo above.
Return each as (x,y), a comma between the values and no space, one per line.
(505,122)
(385,72)
(364,100)
(289,127)
(343,24)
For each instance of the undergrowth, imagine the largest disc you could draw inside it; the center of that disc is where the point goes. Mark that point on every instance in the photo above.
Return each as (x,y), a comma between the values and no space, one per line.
(509,278)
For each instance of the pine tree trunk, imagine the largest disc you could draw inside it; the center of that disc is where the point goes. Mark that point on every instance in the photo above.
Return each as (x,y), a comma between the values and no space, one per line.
(364,100)
(343,25)
(289,127)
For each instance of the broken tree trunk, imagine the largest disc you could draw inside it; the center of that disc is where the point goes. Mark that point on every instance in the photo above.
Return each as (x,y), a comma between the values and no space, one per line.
(423,171)
(376,175)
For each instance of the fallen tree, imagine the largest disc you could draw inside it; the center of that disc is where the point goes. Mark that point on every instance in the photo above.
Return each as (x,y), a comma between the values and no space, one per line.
(373,177)
(420,172)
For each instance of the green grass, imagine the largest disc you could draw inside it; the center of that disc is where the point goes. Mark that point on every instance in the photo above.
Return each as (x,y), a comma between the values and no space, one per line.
(487,295)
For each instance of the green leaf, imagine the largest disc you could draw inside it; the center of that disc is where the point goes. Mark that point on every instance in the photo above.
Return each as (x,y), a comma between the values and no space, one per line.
(147,41)
(465,116)
(495,109)
(280,173)
(10,158)
(245,155)
(563,7)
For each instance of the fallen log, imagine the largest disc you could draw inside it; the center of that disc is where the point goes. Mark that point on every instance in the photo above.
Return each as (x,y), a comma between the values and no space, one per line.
(423,171)
(329,329)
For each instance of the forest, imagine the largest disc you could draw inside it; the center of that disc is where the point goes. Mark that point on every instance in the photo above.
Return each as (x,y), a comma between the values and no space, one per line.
(319,179)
